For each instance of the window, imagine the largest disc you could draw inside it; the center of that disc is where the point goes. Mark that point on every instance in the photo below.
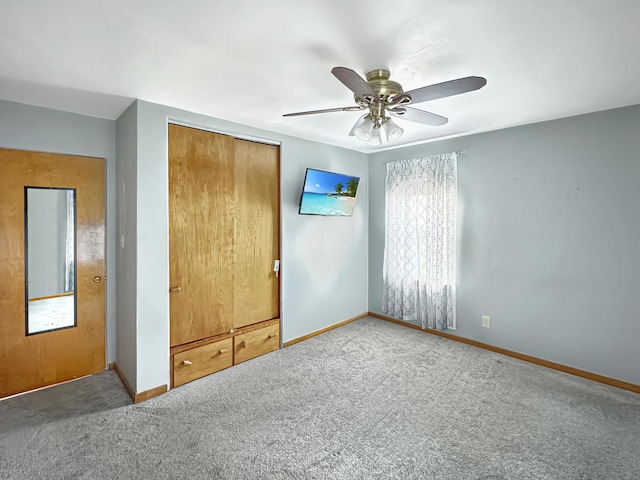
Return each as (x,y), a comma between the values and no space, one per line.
(420,241)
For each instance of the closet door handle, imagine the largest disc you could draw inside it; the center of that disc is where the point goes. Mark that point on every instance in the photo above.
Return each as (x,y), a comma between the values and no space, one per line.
(276,267)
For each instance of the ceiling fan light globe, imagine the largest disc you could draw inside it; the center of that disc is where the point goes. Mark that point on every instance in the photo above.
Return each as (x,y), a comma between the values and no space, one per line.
(392,130)
(363,128)
(376,138)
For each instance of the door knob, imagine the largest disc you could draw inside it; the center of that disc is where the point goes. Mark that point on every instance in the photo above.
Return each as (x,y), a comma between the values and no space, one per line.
(97,279)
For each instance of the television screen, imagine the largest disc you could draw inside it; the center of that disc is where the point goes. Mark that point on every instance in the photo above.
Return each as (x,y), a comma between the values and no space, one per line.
(328,193)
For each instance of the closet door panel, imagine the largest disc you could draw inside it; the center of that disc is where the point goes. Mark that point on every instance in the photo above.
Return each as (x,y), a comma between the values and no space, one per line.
(256,232)
(255,283)
(201,230)
(256,179)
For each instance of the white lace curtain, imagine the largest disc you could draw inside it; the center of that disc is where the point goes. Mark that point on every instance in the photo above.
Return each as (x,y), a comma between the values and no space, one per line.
(420,241)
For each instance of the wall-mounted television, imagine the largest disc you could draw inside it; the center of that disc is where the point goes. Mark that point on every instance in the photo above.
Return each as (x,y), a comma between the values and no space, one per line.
(328,193)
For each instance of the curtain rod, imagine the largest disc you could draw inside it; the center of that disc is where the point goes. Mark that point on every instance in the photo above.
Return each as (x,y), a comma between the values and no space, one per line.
(458,152)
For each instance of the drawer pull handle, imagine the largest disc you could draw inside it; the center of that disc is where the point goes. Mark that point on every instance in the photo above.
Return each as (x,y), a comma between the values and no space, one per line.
(175,289)
(224,350)
(272,335)
(243,344)
(186,362)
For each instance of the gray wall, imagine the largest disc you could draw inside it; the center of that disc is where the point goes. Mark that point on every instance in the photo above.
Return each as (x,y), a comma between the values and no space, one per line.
(126,243)
(25,127)
(324,260)
(46,241)
(547,223)
(547,241)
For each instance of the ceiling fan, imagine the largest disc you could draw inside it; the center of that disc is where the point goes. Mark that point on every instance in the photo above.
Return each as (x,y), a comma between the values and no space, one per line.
(382,96)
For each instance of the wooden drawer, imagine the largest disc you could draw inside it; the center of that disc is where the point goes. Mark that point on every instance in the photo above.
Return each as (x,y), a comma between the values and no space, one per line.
(255,343)
(201,361)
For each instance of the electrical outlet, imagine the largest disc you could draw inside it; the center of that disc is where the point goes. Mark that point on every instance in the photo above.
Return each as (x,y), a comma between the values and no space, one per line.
(486,321)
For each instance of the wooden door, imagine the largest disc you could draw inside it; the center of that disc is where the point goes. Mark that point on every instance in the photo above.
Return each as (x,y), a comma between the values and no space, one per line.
(200,234)
(33,360)
(256,233)
(223,233)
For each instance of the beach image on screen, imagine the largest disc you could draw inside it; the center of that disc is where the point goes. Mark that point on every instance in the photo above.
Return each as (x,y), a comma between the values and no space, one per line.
(327,193)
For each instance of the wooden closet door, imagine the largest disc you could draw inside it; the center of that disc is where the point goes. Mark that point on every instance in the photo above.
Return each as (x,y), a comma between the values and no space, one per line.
(201,230)
(256,233)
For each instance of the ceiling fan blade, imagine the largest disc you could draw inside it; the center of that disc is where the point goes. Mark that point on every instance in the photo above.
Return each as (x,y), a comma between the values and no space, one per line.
(326,110)
(444,89)
(355,83)
(419,116)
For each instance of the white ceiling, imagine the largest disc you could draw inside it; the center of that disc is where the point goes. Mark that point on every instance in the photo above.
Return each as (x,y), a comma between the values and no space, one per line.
(251,61)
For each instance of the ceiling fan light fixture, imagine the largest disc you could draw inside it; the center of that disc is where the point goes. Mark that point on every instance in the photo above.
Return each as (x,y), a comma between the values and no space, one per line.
(376,137)
(363,128)
(392,130)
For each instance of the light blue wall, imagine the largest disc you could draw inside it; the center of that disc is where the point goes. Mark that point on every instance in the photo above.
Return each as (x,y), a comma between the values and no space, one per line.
(25,127)
(126,243)
(324,260)
(547,244)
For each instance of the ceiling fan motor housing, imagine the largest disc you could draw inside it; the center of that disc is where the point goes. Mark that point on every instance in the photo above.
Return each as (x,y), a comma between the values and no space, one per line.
(379,81)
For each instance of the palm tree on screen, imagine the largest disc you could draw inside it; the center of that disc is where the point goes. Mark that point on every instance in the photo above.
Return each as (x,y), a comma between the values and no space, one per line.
(352,186)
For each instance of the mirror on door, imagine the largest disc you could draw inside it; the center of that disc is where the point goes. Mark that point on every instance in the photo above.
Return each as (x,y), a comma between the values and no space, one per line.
(50,261)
